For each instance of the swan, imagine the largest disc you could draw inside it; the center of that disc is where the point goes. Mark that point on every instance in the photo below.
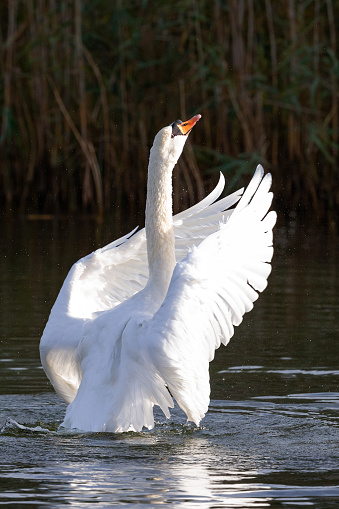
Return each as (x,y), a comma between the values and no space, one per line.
(137,322)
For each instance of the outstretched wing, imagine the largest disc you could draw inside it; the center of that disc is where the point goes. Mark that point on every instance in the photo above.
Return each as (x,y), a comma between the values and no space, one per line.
(209,293)
(93,284)
(109,276)
(198,222)
(112,274)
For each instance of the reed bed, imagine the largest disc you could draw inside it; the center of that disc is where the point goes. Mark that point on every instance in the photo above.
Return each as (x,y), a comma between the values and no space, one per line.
(85,85)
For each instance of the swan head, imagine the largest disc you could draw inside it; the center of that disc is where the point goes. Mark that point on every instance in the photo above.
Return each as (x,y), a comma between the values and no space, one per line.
(169,142)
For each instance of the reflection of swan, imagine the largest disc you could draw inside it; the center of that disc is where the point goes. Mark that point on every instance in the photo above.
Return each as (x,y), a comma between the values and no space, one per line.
(139,320)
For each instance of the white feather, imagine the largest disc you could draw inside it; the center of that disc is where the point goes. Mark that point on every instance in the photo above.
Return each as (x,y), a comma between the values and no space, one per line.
(134,326)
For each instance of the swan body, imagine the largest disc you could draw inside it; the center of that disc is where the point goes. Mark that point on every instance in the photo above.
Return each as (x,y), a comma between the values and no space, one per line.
(137,322)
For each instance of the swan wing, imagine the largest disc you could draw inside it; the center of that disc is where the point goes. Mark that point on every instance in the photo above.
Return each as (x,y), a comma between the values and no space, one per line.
(209,293)
(95,283)
(108,276)
(111,275)
(198,222)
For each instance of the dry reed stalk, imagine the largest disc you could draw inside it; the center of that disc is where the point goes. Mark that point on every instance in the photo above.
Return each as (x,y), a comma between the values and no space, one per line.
(35,85)
(7,86)
(250,37)
(221,140)
(238,53)
(54,60)
(274,69)
(87,148)
(66,17)
(316,37)
(33,150)
(293,131)
(87,193)
(104,103)
(8,68)
(334,81)
(201,59)
(109,157)
(124,100)
(43,28)
(247,108)
(242,114)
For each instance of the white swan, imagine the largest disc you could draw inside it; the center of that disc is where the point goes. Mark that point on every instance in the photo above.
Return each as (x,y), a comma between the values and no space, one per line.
(138,321)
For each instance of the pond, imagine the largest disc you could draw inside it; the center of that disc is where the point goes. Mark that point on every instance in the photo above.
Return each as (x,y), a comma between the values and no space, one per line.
(270,438)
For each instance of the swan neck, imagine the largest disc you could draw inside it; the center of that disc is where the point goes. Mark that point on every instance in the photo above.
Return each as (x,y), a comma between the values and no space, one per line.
(159,222)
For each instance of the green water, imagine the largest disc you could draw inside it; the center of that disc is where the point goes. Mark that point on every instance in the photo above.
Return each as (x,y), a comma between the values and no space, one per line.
(270,438)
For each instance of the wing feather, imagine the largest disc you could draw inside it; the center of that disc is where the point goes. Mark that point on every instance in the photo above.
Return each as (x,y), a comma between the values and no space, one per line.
(209,293)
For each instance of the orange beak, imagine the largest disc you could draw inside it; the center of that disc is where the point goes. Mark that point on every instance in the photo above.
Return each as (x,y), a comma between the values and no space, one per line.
(186,127)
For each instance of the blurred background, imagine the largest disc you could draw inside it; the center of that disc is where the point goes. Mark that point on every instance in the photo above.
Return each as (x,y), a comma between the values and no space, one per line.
(86,84)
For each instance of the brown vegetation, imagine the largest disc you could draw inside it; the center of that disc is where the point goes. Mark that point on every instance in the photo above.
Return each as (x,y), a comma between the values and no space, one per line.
(85,85)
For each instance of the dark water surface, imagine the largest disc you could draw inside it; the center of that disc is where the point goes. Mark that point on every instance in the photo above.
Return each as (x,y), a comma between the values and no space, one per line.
(270,438)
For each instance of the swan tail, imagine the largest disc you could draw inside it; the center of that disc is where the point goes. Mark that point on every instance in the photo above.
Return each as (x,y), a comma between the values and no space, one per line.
(126,405)
(119,386)
(132,410)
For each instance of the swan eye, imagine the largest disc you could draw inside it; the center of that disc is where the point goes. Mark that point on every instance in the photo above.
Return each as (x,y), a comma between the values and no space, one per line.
(175,129)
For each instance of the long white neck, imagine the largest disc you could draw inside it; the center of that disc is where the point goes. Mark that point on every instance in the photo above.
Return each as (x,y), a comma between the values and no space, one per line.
(159,223)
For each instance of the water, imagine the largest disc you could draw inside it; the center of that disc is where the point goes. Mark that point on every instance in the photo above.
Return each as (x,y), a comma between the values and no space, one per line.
(270,438)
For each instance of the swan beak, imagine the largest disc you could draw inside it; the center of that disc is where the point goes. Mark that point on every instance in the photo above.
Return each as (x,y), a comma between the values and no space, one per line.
(186,127)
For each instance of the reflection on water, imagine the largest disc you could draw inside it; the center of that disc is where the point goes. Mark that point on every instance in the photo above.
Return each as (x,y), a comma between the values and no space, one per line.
(270,438)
